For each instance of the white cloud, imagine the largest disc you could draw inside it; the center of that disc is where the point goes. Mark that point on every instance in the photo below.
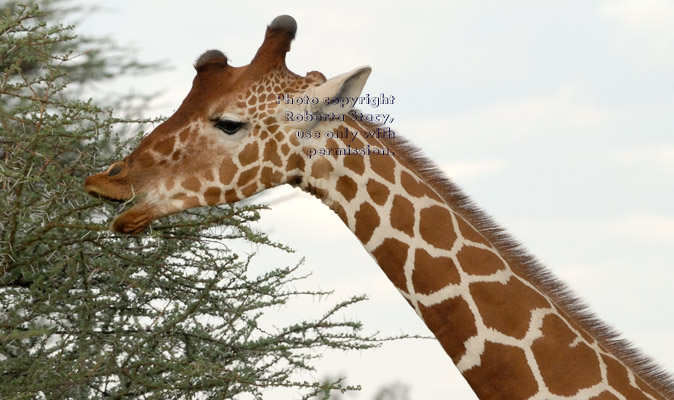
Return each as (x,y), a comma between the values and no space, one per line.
(633,227)
(642,16)
(649,227)
(567,111)
(472,169)
(661,156)
(649,20)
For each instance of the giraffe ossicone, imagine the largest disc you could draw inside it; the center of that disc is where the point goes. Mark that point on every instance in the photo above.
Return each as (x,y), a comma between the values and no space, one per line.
(512,330)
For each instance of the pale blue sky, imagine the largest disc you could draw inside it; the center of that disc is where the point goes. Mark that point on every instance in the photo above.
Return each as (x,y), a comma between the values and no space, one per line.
(556,117)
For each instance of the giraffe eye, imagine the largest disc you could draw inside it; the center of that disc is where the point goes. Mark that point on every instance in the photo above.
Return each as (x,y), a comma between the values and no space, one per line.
(114,170)
(229,126)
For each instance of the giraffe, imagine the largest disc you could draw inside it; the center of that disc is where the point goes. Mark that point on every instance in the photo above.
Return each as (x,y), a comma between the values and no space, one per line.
(512,330)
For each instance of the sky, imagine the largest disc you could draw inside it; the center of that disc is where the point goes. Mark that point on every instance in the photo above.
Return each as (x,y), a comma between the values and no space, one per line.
(557,118)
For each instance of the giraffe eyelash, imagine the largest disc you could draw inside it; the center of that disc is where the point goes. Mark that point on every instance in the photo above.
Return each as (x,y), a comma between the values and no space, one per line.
(228,126)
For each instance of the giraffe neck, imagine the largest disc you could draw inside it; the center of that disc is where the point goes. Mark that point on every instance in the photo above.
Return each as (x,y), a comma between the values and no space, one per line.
(506,333)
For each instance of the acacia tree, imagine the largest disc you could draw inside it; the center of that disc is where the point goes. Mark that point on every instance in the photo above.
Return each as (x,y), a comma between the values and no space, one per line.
(85,313)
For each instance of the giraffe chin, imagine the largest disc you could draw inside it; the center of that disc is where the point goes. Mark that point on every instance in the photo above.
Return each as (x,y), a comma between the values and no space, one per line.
(133,221)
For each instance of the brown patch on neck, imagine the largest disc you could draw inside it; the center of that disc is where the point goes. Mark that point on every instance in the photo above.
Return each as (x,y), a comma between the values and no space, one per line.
(347,187)
(452,323)
(378,192)
(507,376)
(270,177)
(402,215)
(411,185)
(476,261)
(436,227)
(355,163)
(384,167)
(507,308)
(321,169)
(367,220)
(212,195)
(565,367)
(391,256)
(433,273)
(469,233)
(295,161)
(192,183)
(619,380)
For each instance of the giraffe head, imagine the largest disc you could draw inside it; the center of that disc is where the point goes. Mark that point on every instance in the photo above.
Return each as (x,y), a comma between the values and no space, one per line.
(230,138)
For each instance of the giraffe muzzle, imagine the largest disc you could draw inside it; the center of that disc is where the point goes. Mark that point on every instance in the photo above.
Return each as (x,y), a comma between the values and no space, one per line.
(101,186)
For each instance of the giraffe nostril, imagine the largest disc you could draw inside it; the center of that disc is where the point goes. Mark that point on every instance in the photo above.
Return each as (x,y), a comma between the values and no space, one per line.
(116,169)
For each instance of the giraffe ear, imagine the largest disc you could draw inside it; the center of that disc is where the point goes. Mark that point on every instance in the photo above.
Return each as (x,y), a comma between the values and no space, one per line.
(347,85)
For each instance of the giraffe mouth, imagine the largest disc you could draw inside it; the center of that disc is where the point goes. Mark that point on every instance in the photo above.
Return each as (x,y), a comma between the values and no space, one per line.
(133,215)
(134,220)
(98,195)
(100,187)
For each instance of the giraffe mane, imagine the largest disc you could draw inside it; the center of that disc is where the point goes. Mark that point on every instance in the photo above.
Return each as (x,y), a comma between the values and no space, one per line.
(528,266)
